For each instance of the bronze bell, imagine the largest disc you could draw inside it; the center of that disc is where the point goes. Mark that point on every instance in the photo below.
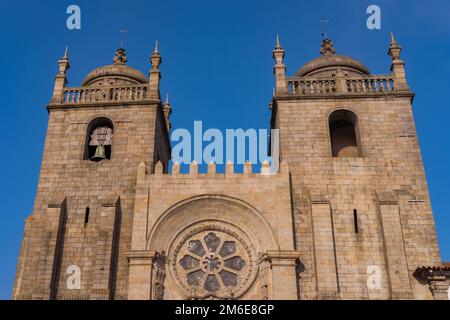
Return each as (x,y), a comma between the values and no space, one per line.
(99,153)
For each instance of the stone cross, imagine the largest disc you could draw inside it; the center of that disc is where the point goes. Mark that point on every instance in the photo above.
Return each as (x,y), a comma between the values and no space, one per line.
(123,32)
(406,134)
(416,200)
(325,27)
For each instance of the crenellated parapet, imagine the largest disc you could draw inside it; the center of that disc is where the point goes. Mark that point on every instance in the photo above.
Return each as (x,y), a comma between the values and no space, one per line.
(211,170)
(249,211)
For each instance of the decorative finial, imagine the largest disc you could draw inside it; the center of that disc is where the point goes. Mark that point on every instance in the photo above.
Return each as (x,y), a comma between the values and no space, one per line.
(66,53)
(278,51)
(156,47)
(398,65)
(392,38)
(279,69)
(120,56)
(327,47)
(394,48)
(167,99)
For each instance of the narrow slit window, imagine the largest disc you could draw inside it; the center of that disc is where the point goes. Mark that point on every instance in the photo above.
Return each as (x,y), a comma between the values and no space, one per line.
(355,220)
(86,216)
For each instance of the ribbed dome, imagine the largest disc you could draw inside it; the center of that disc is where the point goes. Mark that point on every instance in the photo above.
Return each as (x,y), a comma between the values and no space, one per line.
(330,61)
(118,71)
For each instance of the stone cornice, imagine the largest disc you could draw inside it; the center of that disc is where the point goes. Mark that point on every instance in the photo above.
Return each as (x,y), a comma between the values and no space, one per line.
(286,255)
(141,257)
(346,96)
(102,104)
(439,273)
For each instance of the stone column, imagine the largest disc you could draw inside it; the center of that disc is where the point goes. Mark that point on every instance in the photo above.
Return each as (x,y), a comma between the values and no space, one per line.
(324,247)
(395,254)
(140,274)
(283,280)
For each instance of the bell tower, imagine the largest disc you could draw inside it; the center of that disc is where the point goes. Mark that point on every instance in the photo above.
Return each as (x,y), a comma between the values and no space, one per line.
(80,228)
(360,197)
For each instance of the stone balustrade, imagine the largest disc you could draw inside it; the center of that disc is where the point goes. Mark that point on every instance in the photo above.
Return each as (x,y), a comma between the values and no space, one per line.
(80,95)
(309,86)
(373,84)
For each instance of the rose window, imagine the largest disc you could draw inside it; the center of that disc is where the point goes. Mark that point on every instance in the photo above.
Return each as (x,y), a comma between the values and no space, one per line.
(213,263)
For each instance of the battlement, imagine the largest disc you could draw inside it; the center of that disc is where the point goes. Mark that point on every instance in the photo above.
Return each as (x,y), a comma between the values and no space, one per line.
(211,170)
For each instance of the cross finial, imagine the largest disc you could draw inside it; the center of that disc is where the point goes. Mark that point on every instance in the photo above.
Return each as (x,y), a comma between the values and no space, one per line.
(123,32)
(324,21)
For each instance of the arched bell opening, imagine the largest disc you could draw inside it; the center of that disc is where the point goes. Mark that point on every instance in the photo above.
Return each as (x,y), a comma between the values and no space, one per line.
(99,137)
(343,126)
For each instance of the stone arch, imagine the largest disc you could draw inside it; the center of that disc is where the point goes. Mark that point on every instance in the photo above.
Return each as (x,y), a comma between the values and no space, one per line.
(98,122)
(231,221)
(211,207)
(343,129)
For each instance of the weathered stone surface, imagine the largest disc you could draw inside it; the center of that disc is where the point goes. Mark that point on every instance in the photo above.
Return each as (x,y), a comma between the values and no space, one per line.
(310,231)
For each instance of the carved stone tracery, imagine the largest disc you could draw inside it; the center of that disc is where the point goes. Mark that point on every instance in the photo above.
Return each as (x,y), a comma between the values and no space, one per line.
(213,261)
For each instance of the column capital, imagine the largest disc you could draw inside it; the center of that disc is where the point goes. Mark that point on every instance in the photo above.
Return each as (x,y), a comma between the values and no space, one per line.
(283,257)
(141,257)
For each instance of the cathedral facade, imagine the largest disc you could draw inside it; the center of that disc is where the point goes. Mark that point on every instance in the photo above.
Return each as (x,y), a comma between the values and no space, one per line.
(346,216)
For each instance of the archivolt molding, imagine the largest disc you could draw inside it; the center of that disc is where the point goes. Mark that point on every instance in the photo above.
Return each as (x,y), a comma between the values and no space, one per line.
(211,207)
(214,245)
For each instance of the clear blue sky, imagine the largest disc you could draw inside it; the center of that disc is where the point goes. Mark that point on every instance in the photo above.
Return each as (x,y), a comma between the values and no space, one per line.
(217,68)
